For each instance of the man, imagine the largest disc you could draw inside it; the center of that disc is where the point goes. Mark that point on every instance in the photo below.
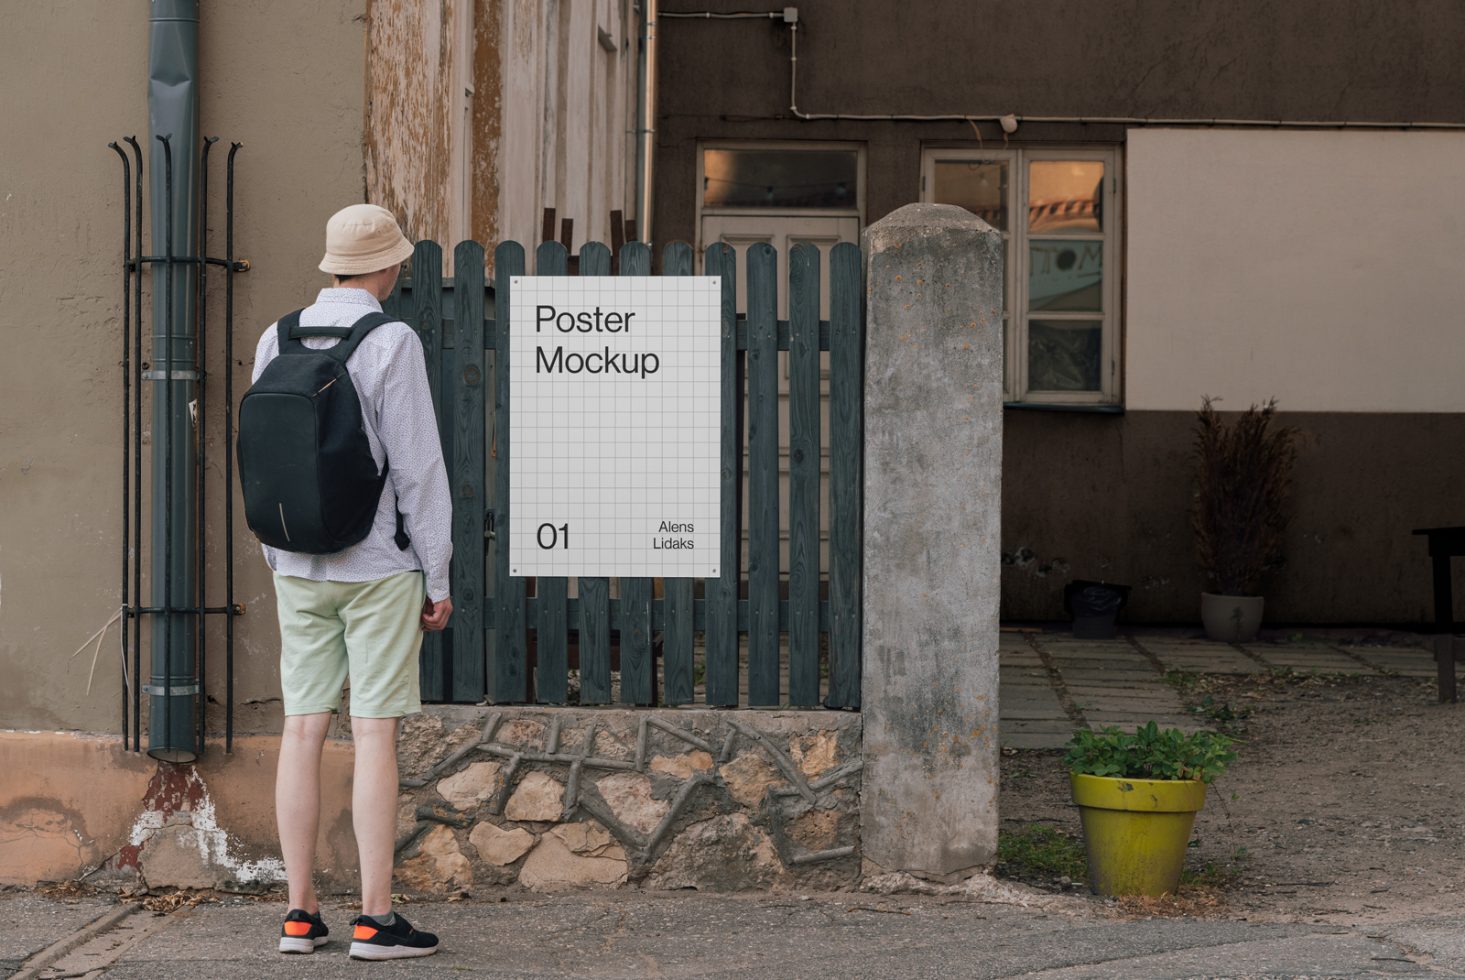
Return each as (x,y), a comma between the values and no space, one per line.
(360,612)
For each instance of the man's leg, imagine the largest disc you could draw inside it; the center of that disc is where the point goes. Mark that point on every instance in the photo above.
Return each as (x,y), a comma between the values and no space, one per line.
(374,809)
(297,802)
(383,637)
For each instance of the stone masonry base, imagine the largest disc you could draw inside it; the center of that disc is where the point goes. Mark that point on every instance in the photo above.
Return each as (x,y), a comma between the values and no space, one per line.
(561,798)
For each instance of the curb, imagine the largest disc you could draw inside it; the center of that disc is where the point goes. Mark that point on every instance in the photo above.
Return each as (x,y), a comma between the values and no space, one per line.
(34,966)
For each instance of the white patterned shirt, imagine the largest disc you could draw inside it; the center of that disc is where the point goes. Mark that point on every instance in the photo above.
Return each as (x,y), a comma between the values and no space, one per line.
(390,376)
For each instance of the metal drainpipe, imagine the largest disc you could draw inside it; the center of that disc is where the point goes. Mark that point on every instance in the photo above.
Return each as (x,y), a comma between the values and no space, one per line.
(646,122)
(173,112)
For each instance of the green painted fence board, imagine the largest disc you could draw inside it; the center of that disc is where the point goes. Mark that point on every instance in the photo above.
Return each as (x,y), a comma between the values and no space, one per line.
(722,617)
(846,472)
(551,675)
(763,646)
(594,618)
(700,616)
(448,378)
(803,517)
(508,678)
(467,474)
(638,680)
(426,303)
(677,638)
(638,673)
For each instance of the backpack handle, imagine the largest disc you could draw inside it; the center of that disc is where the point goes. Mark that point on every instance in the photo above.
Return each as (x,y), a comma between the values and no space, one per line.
(290,331)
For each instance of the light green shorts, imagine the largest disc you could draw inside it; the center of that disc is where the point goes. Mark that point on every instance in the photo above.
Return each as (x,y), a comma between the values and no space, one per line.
(369,630)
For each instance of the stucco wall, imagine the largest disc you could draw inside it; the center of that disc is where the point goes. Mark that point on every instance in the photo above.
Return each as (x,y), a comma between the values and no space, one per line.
(286,80)
(1252,59)
(1087,496)
(1107,497)
(1293,264)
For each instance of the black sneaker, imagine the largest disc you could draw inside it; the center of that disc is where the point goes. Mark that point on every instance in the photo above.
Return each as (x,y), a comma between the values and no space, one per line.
(370,940)
(302,932)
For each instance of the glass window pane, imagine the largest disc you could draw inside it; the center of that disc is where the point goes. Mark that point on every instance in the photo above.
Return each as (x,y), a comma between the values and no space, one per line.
(1064,274)
(780,178)
(980,186)
(1065,195)
(1064,355)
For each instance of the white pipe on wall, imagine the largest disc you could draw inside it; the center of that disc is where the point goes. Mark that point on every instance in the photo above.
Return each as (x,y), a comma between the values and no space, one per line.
(646,128)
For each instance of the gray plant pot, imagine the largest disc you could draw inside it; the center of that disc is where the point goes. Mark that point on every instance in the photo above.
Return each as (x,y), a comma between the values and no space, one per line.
(1231,618)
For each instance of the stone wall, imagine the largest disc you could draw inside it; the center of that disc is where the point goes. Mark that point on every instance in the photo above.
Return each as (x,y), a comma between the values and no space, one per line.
(562,798)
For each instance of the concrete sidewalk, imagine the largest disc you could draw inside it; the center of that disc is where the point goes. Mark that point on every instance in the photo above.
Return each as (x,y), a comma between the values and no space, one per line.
(1052,683)
(635,935)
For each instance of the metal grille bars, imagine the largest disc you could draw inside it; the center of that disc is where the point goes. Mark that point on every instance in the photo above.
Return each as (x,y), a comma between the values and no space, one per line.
(171,616)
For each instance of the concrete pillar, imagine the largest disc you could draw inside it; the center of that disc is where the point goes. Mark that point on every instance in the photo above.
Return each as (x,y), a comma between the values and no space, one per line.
(933,490)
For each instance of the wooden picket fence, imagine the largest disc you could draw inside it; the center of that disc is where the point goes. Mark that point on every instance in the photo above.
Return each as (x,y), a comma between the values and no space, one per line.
(507,645)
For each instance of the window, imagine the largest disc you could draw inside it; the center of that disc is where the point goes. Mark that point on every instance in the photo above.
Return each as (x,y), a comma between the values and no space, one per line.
(780,177)
(1058,214)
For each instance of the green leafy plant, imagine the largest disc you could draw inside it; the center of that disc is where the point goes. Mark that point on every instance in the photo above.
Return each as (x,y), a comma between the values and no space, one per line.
(1149,753)
(1243,488)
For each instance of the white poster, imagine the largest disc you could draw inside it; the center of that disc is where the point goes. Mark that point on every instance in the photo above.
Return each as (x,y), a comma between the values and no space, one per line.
(614,426)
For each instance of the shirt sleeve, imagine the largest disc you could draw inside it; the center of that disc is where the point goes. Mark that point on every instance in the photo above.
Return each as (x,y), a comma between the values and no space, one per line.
(407,428)
(264,352)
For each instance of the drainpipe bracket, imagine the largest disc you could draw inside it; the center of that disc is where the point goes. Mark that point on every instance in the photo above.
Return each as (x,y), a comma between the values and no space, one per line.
(174,691)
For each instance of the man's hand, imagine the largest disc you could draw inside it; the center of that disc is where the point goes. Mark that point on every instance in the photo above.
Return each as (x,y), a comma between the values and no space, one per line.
(435,614)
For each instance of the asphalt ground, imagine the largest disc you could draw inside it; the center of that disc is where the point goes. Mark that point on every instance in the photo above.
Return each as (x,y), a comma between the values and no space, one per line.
(673,935)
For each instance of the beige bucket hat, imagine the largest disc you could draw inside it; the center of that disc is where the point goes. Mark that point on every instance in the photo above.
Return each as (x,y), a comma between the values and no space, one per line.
(363,238)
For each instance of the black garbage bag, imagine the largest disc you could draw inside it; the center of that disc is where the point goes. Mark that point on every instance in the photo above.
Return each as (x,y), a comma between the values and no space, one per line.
(1094,607)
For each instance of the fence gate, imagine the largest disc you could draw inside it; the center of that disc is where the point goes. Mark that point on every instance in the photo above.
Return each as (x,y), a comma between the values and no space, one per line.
(769,631)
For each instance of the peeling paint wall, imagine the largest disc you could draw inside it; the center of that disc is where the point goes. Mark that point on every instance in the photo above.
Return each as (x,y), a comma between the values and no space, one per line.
(487,120)
(568,115)
(414,83)
(75,805)
(480,114)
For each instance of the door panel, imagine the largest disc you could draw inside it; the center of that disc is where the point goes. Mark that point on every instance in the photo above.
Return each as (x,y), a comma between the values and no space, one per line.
(783,232)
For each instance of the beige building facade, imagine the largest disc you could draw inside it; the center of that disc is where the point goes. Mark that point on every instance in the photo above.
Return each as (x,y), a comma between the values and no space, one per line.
(466,117)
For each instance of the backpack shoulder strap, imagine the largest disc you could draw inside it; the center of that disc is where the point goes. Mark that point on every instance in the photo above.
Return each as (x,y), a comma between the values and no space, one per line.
(357,333)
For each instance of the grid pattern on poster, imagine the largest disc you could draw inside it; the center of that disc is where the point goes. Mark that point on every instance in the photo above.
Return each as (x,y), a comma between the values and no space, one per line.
(614,426)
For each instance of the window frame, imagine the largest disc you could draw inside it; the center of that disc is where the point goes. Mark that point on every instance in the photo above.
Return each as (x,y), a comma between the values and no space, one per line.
(858,211)
(1016,311)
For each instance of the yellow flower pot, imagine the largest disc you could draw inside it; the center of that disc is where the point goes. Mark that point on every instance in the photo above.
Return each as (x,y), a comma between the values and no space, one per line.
(1136,831)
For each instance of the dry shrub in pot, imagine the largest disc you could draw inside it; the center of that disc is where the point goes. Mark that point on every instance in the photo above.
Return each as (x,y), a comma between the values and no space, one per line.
(1243,490)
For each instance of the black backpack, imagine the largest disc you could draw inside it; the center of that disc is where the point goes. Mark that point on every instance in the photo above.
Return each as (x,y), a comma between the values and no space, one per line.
(310,483)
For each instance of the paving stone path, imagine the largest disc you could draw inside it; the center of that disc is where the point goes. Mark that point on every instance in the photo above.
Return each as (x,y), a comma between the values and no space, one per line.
(1052,683)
